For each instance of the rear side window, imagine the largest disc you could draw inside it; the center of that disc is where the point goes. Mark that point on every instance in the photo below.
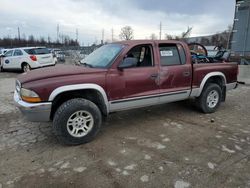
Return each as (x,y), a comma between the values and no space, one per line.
(169,55)
(18,53)
(37,51)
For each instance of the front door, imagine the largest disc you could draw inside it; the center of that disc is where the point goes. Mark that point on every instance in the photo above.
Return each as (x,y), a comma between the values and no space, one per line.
(8,60)
(135,86)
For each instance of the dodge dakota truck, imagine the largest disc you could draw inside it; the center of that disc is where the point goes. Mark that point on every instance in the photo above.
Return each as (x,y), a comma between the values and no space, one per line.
(120,76)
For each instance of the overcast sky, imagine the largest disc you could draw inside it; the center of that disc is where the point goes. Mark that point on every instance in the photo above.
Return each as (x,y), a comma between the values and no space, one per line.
(40,18)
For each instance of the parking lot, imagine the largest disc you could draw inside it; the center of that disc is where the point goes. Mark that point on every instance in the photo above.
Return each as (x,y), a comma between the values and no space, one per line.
(171,145)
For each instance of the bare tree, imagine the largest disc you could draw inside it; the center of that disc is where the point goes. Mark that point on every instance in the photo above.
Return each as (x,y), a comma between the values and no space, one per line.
(153,36)
(127,33)
(183,35)
(186,33)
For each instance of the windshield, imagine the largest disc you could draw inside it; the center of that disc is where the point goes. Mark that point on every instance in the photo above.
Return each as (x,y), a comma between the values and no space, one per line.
(103,56)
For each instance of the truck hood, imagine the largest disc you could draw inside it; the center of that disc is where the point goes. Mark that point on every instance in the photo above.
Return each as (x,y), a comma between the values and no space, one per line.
(56,71)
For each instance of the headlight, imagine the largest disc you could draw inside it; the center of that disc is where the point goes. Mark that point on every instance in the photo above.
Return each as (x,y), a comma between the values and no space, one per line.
(29,95)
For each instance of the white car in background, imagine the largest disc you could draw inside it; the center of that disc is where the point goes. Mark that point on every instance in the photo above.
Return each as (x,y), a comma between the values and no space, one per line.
(26,58)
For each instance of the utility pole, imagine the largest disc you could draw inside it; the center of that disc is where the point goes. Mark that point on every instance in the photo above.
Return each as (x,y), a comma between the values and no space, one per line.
(57,32)
(18,31)
(160,31)
(112,34)
(102,42)
(76,35)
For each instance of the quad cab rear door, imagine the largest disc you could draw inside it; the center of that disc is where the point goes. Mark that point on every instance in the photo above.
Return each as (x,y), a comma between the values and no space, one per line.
(175,72)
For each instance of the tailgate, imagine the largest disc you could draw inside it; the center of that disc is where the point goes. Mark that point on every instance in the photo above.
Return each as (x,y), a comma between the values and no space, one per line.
(45,58)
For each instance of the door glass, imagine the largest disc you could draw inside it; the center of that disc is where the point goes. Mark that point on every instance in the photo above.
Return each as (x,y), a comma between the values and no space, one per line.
(9,53)
(182,54)
(143,54)
(18,53)
(169,55)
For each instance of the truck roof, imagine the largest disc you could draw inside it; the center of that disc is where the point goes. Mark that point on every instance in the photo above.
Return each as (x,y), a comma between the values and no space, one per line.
(133,42)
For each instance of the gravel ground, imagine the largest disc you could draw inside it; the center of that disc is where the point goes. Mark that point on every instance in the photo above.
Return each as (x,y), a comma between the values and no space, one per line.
(171,145)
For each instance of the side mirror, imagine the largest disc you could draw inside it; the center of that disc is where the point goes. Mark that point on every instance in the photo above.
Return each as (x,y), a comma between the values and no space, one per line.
(2,55)
(128,62)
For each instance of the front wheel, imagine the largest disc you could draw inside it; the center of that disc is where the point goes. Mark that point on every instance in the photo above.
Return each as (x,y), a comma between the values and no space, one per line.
(77,121)
(210,98)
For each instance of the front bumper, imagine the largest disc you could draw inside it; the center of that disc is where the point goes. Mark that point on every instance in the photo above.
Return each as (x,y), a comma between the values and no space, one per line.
(33,111)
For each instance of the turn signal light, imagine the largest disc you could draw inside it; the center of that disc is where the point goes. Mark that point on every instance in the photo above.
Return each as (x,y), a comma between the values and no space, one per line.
(33,58)
(31,99)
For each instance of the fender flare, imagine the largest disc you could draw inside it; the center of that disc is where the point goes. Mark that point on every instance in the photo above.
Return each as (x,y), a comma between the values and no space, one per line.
(74,87)
(197,91)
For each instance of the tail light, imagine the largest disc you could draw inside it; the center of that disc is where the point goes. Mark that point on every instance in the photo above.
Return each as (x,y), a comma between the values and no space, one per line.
(33,58)
(238,71)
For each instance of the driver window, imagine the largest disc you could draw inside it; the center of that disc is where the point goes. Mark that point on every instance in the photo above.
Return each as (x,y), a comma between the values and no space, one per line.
(8,54)
(143,54)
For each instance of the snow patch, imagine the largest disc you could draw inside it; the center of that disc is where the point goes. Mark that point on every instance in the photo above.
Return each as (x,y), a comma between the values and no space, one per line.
(162,135)
(181,184)
(58,163)
(79,169)
(118,170)
(165,140)
(224,148)
(130,167)
(218,136)
(125,173)
(238,147)
(112,163)
(210,165)
(144,178)
(186,158)
(65,165)
(147,157)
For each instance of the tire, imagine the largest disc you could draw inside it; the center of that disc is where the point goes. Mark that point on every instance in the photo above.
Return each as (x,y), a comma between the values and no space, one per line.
(66,120)
(210,98)
(26,67)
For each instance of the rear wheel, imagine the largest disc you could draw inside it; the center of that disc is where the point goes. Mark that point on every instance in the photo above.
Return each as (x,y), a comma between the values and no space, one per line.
(210,98)
(77,121)
(26,67)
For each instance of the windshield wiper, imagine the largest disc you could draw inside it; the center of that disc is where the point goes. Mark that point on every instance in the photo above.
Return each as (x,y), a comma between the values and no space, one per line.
(87,65)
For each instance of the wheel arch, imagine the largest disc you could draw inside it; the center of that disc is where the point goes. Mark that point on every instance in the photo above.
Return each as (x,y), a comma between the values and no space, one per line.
(23,63)
(213,77)
(92,92)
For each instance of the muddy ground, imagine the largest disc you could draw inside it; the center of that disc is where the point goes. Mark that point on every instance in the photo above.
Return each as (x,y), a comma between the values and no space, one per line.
(171,145)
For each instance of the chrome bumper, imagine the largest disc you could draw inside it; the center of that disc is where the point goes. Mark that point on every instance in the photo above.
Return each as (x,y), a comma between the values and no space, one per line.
(33,111)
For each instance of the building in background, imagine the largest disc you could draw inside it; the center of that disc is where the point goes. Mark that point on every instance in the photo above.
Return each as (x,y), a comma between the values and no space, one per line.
(240,38)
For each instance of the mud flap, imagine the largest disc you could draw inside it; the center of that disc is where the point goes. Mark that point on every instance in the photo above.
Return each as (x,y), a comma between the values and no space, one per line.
(224,93)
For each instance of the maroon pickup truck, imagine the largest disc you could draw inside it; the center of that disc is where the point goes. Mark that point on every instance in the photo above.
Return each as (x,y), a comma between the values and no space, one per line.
(120,76)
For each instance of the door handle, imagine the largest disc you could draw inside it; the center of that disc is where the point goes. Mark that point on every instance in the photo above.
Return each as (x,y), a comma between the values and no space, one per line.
(154,76)
(186,73)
